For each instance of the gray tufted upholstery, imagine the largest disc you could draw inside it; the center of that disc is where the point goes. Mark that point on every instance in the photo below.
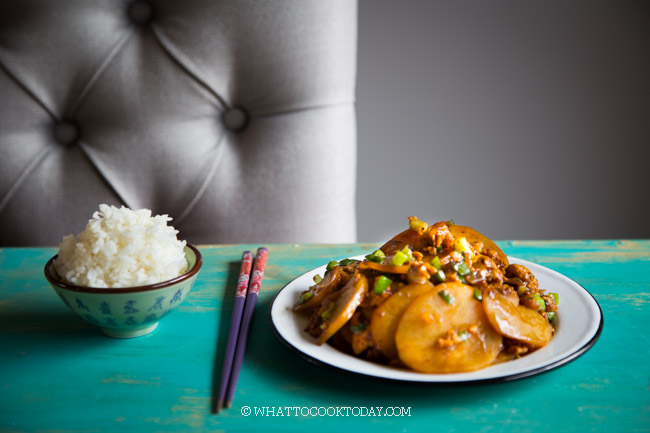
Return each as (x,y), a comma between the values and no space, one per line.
(235,117)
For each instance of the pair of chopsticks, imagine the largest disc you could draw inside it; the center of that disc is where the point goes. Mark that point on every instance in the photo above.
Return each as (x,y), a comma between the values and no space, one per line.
(248,289)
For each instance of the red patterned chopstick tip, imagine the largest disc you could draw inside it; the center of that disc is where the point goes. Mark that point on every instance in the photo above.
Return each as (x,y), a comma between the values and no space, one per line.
(258,271)
(244,274)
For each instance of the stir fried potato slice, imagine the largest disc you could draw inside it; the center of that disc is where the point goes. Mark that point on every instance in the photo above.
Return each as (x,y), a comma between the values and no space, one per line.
(320,291)
(388,269)
(346,304)
(410,238)
(386,317)
(516,321)
(473,236)
(445,330)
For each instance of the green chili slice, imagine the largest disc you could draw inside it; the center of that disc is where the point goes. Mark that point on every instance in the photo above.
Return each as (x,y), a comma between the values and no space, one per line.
(446,296)
(399,259)
(403,256)
(462,268)
(332,264)
(327,314)
(378,256)
(306,297)
(540,302)
(381,284)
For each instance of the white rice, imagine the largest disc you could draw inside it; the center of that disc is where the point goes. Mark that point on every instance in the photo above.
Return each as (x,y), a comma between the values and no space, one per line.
(121,247)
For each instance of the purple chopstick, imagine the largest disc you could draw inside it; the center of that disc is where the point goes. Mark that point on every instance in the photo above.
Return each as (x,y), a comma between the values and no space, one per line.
(251,300)
(237,309)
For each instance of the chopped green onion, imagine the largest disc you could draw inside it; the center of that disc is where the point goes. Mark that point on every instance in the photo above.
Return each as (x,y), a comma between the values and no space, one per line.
(331,265)
(306,297)
(416,225)
(521,290)
(551,316)
(381,284)
(327,314)
(317,278)
(464,335)
(439,276)
(399,259)
(439,249)
(346,262)
(357,329)
(446,296)
(451,222)
(436,263)
(540,302)
(556,298)
(403,256)
(378,256)
(462,268)
(478,294)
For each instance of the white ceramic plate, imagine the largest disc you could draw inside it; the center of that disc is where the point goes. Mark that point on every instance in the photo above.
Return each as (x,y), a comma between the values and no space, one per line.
(578,326)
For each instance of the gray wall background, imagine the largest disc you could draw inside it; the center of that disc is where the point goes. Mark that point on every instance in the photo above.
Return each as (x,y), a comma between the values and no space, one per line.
(525,120)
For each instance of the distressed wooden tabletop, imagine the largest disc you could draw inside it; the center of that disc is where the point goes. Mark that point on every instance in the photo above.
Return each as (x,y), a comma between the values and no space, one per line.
(60,374)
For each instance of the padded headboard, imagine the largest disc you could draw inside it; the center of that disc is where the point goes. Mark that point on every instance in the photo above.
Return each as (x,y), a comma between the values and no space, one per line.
(235,117)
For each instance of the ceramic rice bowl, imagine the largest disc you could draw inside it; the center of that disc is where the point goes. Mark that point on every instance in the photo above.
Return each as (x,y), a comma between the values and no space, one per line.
(130,311)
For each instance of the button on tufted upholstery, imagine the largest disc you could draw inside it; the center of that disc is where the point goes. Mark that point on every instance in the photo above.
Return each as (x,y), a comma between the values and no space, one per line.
(234,117)
(66,132)
(140,12)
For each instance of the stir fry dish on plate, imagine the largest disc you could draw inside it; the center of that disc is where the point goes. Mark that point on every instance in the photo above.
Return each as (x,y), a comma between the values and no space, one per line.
(435,299)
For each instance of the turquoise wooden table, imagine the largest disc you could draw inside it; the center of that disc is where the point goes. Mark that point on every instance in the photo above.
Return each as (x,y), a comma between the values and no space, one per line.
(60,374)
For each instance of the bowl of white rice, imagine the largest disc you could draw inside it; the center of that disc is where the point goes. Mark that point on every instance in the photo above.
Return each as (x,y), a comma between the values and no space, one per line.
(125,271)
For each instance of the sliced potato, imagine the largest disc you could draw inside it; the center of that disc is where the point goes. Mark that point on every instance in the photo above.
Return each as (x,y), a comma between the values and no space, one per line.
(410,238)
(321,290)
(386,317)
(473,235)
(516,321)
(346,304)
(387,269)
(431,318)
